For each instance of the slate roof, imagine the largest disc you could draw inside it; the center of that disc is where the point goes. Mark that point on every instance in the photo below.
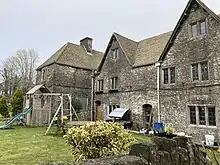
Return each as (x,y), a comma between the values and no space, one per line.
(150,49)
(76,56)
(128,46)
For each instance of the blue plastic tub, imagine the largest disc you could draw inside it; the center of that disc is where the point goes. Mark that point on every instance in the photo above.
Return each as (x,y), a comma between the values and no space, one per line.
(158,127)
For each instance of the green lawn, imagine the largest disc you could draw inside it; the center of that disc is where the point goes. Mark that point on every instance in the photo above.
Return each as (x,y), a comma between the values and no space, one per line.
(29,146)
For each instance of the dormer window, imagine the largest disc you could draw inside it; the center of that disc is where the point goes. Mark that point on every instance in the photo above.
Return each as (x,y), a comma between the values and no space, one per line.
(115,53)
(198,28)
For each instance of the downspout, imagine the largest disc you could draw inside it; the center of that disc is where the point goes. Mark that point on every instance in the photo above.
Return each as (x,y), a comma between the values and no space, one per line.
(92,95)
(157,65)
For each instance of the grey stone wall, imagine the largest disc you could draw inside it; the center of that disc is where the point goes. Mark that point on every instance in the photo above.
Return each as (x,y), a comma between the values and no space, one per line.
(137,86)
(68,80)
(175,98)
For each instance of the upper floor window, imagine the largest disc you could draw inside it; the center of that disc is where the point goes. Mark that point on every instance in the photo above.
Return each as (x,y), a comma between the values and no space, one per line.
(43,74)
(202,115)
(115,53)
(198,28)
(169,75)
(99,85)
(114,83)
(200,71)
(203,27)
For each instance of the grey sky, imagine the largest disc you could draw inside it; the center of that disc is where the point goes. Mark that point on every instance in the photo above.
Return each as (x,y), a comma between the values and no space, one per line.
(45,25)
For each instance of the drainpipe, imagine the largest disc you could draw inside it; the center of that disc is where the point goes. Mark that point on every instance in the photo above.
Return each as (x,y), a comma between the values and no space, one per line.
(92,95)
(157,65)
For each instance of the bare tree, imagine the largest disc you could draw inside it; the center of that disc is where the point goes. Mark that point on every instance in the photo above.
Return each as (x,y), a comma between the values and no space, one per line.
(18,71)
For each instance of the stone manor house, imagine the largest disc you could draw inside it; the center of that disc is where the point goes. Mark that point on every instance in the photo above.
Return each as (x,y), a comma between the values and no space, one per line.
(173,77)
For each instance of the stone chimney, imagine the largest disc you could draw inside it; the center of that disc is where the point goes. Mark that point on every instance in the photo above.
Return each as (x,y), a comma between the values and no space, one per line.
(87,43)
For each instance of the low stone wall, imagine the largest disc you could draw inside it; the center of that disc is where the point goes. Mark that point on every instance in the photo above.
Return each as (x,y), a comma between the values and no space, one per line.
(176,151)
(162,151)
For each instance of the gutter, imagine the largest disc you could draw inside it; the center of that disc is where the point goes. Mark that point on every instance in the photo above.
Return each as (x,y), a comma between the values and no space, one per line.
(157,65)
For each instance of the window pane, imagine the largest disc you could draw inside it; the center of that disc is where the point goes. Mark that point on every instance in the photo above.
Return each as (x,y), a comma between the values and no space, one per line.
(211,115)
(113,54)
(204,70)
(202,116)
(165,76)
(194,30)
(117,53)
(195,73)
(192,114)
(110,109)
(203,27)
(172,75)
(116,82)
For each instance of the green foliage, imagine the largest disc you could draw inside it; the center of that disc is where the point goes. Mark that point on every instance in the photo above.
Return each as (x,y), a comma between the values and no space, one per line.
(77,105)
(3,107)
(17,102)
(97,139)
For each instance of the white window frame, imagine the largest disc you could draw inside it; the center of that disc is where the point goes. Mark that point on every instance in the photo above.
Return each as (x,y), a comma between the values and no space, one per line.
(206,115)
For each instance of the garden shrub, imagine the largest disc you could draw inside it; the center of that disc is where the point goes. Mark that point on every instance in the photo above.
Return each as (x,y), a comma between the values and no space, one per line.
(17,102)
(4,107)
(98,139)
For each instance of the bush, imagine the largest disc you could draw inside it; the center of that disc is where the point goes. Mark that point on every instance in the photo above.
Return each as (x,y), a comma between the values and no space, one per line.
(77,105)
(3,107)
(97,139)
(17,102)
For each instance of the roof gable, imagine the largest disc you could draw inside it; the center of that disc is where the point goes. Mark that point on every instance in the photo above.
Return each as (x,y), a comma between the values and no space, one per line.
(183,16)
(127,45)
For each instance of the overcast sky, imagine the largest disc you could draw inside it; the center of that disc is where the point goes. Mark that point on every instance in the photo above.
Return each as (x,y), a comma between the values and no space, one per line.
(46,25)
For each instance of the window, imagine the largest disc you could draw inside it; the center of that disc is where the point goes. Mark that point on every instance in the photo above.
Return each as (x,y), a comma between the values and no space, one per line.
(200,71)
(115,53)
(112,107)
(195,72)
(203,27)
(99,85)
(198,28)
(211,116)
(194,30)
(114,83)
(204,71)
(192,115)
(202,115)
(169,75)
(43,74)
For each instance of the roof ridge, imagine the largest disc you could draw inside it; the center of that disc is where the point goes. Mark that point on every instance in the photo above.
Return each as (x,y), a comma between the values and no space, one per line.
(62,50)
(125,37)
(154,36)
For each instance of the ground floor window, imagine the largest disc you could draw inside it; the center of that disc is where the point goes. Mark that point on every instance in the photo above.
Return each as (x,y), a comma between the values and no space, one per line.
(202,115)
(112,107)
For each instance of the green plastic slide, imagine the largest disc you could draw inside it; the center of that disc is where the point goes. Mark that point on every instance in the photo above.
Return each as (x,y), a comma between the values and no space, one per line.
(15,118)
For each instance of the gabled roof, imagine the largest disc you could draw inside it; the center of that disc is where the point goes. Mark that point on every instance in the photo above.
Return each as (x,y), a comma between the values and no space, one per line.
(128,46)
(40,87)
(185,14)
(141,53)
(76,56)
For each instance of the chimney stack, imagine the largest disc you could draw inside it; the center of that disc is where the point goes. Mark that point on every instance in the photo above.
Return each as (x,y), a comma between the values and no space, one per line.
(87,43)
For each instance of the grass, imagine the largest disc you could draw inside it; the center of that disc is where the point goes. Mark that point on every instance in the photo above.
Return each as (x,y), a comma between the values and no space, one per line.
(29,146)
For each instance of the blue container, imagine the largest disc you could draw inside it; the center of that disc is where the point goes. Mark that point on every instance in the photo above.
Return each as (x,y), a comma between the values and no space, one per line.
(158,127)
